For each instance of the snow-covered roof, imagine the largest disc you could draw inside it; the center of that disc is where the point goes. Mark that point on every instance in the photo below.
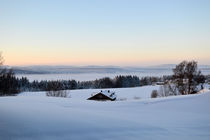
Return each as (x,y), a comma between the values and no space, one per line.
(108,93)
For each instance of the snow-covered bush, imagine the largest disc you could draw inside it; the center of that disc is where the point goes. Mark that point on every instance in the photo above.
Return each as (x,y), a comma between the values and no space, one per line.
(59,93)
(136,98)
(168,89)
(121,99)
(154,94)
(55,89)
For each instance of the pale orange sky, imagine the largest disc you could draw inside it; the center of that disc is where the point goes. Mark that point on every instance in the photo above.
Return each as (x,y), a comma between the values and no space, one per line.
(31,56)
(104,32)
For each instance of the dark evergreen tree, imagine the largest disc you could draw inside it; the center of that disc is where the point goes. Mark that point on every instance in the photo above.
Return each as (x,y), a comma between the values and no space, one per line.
(8,83)
(105,83)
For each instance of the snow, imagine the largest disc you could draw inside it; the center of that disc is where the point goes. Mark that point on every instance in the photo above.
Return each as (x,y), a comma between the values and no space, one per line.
(121,93)
(33,116)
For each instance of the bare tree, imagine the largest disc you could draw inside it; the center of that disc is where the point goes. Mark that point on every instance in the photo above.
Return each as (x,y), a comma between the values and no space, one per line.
(1,62)
(1,59)
(59,93)
(55,89)
(186,77)
(168,89)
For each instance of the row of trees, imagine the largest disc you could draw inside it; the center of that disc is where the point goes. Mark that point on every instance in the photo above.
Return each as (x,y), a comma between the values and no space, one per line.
(10,84)
(117,82)
(185,80)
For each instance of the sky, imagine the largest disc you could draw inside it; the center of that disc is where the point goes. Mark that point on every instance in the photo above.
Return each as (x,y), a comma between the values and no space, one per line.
(104,32)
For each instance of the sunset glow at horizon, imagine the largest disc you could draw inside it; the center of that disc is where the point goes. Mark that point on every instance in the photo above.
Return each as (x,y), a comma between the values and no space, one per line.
(112,32)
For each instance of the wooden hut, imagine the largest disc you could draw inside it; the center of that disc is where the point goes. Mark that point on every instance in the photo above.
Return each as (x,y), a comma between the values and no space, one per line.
(103,96)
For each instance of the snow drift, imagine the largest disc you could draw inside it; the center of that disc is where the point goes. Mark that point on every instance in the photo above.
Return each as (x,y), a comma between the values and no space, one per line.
(28,117)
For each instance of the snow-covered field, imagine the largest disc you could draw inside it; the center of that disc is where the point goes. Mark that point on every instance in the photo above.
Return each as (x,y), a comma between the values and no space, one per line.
(32,116)
(122,93)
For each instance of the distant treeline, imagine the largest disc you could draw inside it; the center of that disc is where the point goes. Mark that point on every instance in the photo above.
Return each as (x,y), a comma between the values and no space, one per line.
(106,82)
(44,85)
(9,84)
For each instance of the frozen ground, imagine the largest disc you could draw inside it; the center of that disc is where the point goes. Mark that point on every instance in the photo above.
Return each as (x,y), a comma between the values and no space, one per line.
(33,116)
(122,93)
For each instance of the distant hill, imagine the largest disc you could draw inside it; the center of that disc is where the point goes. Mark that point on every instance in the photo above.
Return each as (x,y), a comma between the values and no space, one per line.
(93,69)
(66,69)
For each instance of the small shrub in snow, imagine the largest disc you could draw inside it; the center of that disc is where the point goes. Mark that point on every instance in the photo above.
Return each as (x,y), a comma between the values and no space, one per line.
(54,89)
(121,99)
(59,93)
(136,98)
(168,89)
(154,94)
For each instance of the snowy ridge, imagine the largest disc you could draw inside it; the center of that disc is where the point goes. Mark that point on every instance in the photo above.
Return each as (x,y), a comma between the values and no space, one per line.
(49,118)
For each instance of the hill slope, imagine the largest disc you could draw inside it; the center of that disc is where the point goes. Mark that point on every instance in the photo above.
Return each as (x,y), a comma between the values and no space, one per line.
(50,118)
